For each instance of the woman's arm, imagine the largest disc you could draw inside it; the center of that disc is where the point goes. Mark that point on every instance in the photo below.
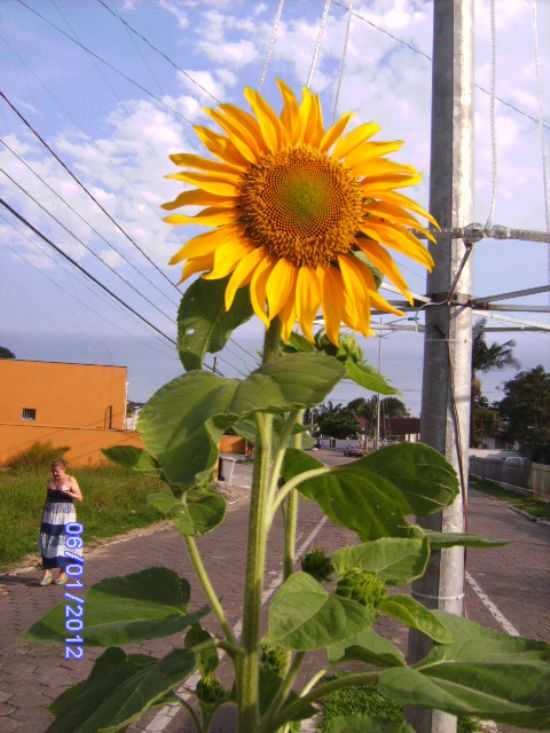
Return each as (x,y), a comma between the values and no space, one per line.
(75,490)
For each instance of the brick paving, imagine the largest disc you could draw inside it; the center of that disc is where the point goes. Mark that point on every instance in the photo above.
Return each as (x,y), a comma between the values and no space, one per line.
(32,675)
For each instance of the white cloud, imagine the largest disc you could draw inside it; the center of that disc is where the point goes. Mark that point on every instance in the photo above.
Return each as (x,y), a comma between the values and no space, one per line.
(176,9)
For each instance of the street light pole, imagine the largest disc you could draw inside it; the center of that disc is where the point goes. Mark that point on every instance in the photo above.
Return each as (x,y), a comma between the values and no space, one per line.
(446,387)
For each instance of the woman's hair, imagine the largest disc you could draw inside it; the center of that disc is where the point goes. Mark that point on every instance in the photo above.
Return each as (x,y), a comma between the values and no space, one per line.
(59,462)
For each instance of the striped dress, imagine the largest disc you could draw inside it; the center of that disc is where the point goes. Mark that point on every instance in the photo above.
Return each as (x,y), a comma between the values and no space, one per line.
(59,510)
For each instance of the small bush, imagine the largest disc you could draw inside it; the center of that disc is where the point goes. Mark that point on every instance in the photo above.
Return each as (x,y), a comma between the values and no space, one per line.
(37,456)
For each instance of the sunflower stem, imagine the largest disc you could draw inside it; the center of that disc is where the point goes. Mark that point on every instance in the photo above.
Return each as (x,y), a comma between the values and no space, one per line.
(291,514)
(255,561)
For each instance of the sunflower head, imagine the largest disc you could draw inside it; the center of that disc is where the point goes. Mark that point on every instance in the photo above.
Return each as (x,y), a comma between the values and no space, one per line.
(301,214)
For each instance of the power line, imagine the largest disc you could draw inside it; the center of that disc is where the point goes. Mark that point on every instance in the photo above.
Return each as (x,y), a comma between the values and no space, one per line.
(83,270)
(52,190)
(108,64)
(84,304)
(164,55)
(86,246)
(419,52)
(86,190)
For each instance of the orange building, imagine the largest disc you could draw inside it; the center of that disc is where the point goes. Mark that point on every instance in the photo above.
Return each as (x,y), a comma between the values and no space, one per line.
(82,406)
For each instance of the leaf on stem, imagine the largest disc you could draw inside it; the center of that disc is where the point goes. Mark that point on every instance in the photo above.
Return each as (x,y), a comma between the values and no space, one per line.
(119,689)
(203,323)
(304,616)
(394,560)
(413,614)
(366,646)
(482,673)
(150,604)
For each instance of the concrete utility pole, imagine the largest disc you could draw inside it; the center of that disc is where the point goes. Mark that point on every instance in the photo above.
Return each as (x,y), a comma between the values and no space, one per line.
(448,334)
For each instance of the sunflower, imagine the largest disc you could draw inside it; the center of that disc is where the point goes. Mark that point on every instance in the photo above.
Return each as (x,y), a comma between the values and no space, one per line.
(301,214)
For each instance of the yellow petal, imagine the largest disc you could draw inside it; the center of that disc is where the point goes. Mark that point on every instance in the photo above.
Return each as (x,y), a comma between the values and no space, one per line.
(311,118)
(371,186)
(356,137)
(396,239)
(281,281)
(226,257)
(242,274)
(241,118)
(270,124)
(258,286)
(290,114)
(196,197)
(204,244)
(332,288)
(222,186)
(211,217)
(381,167)
(355,286)
(308,299)
(245,143)
(288,317)
(392,213)
(198,264)
(196,161)
(368,151)
(408,203)
(384,262)
(334,132)
(221,146)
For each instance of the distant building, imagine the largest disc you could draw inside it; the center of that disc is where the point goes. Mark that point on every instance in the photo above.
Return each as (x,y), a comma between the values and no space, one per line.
(401,429)
(82,406)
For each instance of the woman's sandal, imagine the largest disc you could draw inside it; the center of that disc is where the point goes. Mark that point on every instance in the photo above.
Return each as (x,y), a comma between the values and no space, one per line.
(47,580)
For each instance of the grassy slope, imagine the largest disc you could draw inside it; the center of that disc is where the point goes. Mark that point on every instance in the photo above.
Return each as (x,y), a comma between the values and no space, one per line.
(114,502)
(538,509)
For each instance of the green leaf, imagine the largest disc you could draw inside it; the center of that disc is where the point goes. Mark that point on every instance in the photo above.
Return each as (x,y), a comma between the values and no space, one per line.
(207,659)
(396,561)
(358,723)
(422,474)
(203,323)
(303,616)
(202,512)
(182,423)
(163,502)
(149,604)
(367,377)
(373,496)
(440,540)
(482,673)
(367,504)
(366,646)
(298,343)
(269,685)
(118,691)
(413,614)
(130,457)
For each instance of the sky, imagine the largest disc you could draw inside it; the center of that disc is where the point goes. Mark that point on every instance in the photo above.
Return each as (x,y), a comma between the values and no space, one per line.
(116,129)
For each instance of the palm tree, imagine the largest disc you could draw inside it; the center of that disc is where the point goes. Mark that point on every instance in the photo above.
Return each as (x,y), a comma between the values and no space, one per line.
(486,358)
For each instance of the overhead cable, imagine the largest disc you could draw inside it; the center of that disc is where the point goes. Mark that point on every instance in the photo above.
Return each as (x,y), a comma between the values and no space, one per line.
(52,190)
(86,190)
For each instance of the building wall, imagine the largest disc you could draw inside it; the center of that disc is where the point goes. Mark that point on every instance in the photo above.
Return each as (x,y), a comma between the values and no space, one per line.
(63,395)
(84,444)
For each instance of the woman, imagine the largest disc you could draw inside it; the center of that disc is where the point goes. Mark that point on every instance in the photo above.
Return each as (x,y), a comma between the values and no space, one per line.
(59,510)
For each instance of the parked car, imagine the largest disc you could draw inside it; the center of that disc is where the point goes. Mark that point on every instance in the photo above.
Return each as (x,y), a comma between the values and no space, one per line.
(353,451)
(516,461)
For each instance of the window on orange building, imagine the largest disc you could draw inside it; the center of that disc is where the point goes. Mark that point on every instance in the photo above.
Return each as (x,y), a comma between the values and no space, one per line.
(28,413)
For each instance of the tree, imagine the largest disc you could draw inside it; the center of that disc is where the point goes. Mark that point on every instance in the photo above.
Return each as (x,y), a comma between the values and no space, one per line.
(526,409)
(393,407)
(6,353)
(336,421)
(486,358)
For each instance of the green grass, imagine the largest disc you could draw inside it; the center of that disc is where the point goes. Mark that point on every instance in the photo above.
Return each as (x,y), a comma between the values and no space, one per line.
(537,509)
(114,502)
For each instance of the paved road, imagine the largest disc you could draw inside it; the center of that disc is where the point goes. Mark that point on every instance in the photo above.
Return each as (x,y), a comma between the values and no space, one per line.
(514,578)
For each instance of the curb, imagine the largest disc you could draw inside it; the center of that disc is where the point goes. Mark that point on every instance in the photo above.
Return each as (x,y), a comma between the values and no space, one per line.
(528,516)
